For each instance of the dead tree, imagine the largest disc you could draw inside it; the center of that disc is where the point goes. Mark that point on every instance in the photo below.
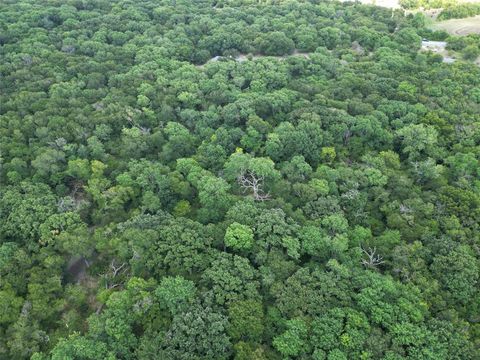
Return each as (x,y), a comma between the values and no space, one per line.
(111,280)
(373,260)
(250,181)
(130,118)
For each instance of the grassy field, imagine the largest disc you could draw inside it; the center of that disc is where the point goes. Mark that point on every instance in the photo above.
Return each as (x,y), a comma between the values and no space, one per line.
(454,26)
(395,4)
(465,26)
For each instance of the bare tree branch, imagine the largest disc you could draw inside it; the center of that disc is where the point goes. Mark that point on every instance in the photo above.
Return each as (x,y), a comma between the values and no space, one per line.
(373,260)
(115,270)
(249,181)
(130,115)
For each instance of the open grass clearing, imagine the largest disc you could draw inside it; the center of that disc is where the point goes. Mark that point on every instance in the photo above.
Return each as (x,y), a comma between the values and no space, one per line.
(459,27)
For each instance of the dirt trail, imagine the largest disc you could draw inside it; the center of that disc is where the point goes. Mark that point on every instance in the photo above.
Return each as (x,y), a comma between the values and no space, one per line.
(245,57)
(391,4)
(438,47)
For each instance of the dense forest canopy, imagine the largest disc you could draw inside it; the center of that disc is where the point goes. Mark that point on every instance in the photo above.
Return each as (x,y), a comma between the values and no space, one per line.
(235,180)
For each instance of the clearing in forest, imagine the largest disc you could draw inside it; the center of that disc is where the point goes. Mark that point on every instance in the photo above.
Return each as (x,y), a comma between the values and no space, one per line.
(438,47)
(391,4)
(470,25)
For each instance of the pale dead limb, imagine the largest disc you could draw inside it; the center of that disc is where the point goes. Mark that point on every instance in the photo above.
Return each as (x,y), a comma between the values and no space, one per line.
(117,269)
(114,271)
(373,260)
(130,116)
(249,181)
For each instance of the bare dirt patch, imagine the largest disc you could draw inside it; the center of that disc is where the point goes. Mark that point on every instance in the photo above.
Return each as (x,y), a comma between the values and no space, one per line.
(245,57)
(438,47)
(391,4)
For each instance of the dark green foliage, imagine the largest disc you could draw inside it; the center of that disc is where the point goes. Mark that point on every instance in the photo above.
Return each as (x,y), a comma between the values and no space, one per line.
(198,333)
(235,180)
(276,43)
(471,52)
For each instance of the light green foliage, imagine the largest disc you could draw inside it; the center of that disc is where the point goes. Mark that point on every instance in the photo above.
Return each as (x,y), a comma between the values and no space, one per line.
(198,180)
(335,224)
(240,162)
(67,232)
(77,347)
(328,154)
(314,241)
(293,341)
(239,237)
(153,183)
(182,208)
(292,245)
(124,311)
(79,169)
(24,208)
(320,186)
(418,140)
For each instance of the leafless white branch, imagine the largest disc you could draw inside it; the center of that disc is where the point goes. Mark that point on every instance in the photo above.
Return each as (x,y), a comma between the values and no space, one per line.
(373,260)
(114,271)
(250,181)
